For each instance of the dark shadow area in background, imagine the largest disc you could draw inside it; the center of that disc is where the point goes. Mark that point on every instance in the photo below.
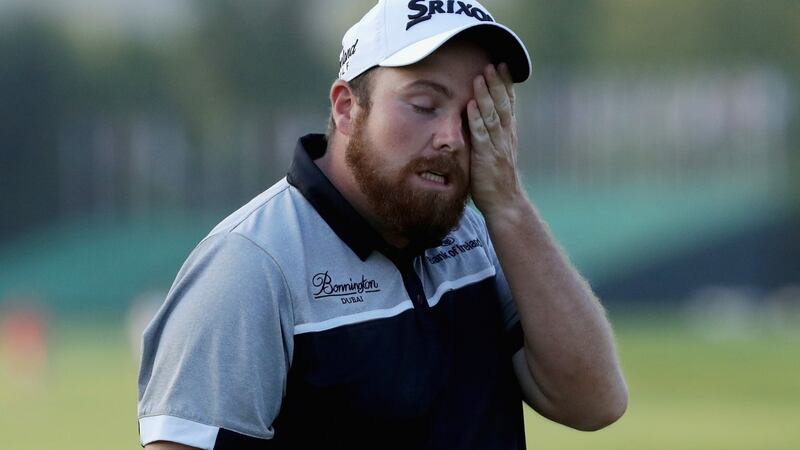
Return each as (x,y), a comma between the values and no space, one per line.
(761,259)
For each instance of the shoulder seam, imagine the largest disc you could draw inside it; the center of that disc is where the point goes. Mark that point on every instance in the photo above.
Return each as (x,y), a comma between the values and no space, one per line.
(230,228)
(274,261)
(266,200)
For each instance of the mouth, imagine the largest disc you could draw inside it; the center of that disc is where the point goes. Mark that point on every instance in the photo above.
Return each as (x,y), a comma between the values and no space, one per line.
(434,177)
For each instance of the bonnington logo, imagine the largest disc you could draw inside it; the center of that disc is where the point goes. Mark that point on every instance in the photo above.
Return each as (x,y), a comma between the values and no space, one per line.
(425,10)
(348,292)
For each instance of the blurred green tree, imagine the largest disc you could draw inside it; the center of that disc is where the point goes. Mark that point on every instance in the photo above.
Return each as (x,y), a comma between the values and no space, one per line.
(35,76)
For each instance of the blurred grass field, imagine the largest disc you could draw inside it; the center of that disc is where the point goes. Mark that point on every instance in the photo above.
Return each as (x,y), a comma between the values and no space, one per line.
(686,392)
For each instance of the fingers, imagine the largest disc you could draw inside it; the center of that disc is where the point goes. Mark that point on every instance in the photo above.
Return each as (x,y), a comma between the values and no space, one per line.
(505,76)
(493,133)
(499,90)
(480,135)
(494,95)
(488,111)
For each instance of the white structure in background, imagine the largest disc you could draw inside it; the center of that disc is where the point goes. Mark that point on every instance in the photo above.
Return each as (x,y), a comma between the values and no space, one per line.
(722,313)
(593,130)
(663,128)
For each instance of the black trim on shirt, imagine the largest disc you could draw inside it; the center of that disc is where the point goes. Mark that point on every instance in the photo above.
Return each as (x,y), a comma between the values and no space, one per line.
(337,212)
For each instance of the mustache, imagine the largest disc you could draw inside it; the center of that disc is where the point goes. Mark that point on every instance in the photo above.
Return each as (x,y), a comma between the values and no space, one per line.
(442,164)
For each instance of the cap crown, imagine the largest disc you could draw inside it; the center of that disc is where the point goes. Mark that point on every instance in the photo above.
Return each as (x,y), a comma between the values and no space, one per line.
(399,32)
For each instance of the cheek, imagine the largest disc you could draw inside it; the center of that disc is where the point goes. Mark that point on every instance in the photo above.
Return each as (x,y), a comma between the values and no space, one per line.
(466,161)
(400,133)
(402,126)
(465,164)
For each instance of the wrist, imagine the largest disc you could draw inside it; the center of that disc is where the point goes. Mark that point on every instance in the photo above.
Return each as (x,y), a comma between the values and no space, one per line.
(515,211)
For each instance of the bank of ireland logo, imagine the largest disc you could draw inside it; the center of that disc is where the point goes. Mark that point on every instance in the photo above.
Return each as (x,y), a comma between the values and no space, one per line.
(349,291)
(447,241)
(449,248)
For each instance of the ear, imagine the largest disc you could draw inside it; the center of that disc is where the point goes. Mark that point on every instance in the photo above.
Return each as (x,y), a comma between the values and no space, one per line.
(343,106)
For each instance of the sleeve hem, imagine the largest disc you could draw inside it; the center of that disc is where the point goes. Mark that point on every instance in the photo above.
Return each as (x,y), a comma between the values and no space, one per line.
(177,430)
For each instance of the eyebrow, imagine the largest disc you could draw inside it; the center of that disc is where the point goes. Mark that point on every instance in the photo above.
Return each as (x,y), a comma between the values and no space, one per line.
(432,85)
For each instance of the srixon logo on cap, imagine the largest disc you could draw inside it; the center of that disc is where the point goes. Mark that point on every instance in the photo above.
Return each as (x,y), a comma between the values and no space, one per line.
(426,9)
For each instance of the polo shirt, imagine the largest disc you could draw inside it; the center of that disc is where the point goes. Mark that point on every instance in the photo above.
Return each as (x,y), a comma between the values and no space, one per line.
(294,325)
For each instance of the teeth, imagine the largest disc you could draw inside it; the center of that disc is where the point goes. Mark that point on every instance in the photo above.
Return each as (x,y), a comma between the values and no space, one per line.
(436,178)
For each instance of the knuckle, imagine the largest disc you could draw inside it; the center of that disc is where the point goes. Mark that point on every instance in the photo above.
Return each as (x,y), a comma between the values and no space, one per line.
(480,133)
(492,117)
(477,126)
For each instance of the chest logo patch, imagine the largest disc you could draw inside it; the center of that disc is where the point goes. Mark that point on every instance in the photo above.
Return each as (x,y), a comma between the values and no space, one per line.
(451,249)
(350,291)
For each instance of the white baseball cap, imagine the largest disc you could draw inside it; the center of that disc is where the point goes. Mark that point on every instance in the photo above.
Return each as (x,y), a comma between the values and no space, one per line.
(397,33)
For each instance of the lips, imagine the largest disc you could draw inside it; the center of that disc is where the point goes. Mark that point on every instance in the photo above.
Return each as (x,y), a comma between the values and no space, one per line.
(442,171)
(435,177)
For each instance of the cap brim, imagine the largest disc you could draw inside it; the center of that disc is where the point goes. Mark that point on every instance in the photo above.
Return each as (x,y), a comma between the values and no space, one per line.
(501,43)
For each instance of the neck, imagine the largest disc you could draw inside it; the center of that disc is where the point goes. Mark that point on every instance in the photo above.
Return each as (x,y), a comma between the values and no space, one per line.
(336,169)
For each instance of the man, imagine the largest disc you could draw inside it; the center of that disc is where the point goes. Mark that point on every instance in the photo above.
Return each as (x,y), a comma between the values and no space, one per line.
(357,303)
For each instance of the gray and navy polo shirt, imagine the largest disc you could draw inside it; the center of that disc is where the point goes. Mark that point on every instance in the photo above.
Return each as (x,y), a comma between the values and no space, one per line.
(293,325)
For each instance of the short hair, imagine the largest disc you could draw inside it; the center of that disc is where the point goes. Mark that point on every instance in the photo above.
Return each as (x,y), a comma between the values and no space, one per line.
(362,89)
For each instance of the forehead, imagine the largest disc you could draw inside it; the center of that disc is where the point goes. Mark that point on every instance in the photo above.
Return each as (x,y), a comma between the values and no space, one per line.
(455,65)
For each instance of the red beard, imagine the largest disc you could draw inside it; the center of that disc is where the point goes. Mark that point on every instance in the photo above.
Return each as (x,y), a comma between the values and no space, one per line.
(415,214)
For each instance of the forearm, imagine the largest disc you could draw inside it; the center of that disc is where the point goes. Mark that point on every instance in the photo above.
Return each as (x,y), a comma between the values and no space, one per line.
(569,345)
(573,373)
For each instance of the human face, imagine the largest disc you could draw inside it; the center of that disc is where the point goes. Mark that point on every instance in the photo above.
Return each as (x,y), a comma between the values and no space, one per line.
(409,152)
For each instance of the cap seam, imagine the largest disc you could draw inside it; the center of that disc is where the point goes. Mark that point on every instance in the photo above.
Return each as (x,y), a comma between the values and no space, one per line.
(384,35)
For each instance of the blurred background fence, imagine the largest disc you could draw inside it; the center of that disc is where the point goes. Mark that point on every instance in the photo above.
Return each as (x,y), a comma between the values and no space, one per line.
(659,138)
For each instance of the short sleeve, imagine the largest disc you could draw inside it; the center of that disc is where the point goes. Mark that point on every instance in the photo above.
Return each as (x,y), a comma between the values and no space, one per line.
(216,356)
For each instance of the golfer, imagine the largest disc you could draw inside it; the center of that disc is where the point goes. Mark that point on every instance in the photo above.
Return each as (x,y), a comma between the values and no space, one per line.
(359,303)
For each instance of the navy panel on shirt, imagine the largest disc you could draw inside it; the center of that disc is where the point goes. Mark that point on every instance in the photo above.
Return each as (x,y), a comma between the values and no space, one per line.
(426,379)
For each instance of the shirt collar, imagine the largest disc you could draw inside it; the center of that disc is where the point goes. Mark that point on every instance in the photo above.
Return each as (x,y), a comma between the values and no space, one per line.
(337,212)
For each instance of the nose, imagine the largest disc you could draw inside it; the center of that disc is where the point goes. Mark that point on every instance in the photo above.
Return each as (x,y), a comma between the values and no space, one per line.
(450,134)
